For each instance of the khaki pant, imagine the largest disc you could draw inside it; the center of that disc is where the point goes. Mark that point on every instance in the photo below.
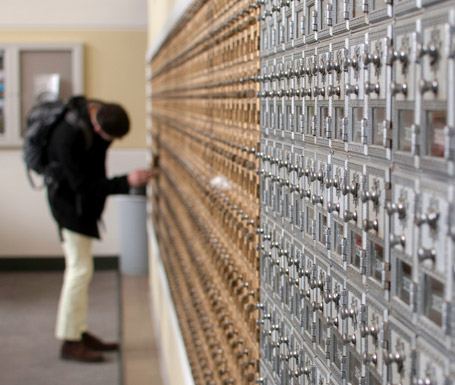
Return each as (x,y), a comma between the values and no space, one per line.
(73,305)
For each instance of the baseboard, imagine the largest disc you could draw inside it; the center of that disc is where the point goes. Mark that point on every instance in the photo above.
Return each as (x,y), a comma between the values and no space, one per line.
(53,263)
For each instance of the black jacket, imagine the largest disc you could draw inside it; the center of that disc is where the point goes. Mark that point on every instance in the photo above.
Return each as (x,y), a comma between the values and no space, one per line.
(79,186)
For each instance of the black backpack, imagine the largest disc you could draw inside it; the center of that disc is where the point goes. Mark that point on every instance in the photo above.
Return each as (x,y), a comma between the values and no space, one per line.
(40,123)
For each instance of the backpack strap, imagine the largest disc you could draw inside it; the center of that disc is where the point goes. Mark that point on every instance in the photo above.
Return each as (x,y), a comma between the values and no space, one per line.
(73,119)
(32,182)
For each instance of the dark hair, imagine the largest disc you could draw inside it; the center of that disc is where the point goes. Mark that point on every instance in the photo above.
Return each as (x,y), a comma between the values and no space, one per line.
(113,120)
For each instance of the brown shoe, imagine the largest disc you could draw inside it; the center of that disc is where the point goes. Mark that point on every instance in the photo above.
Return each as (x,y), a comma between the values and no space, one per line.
(77,351)
(95,343)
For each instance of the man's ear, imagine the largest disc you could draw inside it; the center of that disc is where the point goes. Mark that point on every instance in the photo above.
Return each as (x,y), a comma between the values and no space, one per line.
(93,108)
(96,127)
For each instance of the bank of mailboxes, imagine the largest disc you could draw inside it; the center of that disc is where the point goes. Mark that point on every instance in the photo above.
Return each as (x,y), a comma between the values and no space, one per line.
(357,192)
(330,258)
(205,127)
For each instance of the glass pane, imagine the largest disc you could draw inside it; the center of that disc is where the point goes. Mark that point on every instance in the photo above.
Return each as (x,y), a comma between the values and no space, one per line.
(434,298)
(279,122)
(309,116)
(280,32)
(337,351)
(373,380)
(404,281)
(2,94)
(377,260)
(324,113)
(357,116)
(356,248)
(357,8)
(339,115)
(321,333)
(378,133)
(299,18)
(270,37)
(436,121)
(322,227)
(290,28)
(338,237)
(339,11)
(379,4)
(299,119)
(355,369)
(307,319)
(309,16)
(405,122)
(265,117)
(322,14)
(310,215)
(289,119)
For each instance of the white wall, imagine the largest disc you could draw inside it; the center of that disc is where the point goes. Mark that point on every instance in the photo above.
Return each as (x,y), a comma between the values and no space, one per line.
(176,370)
(74,14)
(26,226)
(163,16)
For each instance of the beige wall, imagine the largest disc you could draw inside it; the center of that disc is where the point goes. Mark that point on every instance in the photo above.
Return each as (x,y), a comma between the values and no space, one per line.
(114,68)
(114,36)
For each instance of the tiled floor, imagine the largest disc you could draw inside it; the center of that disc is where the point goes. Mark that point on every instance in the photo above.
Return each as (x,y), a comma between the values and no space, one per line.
(141,364)
(29,352)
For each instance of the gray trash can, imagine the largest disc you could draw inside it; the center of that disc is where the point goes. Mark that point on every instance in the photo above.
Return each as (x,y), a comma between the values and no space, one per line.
(133,241)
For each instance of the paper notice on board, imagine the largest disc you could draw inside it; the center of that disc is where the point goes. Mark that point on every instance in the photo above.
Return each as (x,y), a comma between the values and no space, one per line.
(46,87)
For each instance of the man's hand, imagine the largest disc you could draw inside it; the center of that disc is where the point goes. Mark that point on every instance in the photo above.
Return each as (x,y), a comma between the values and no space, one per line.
(140,177)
